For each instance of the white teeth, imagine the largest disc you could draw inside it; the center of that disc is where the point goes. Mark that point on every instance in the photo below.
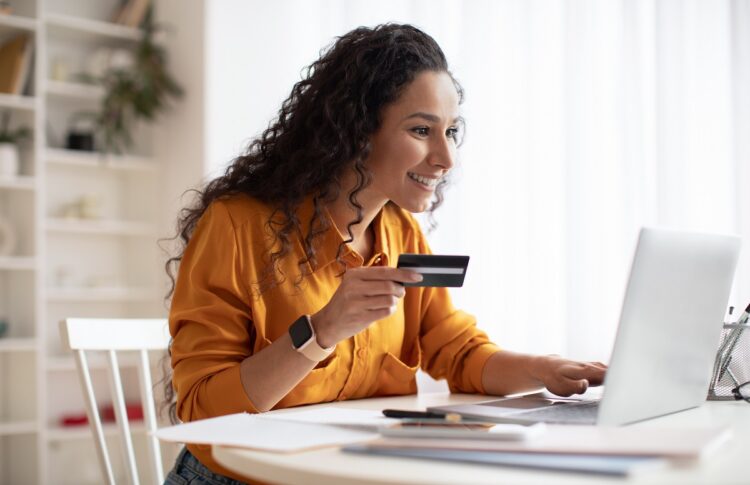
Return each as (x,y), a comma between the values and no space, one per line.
(430,182)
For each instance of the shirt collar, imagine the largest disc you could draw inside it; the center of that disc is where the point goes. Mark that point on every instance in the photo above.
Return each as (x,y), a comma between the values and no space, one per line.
(327,244)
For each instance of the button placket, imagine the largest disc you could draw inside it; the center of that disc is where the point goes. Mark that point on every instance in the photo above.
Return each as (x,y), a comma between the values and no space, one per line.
(354,380)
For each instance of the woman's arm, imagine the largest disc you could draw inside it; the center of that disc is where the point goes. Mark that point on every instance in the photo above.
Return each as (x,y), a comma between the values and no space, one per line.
(365,295)
(270,374)
(510,373)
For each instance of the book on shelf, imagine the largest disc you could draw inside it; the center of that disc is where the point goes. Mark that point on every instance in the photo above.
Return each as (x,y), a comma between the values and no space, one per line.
(131,13)
(15,64)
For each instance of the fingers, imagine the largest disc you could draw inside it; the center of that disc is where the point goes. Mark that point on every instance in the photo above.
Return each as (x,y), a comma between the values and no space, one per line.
(571,377)
(371,273)
(383,287)
(582,386)
(582,370)
(567,387)
(381,302)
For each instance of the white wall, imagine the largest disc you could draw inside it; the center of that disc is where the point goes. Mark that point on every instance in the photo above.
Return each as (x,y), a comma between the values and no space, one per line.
(256,50)
(586,120)
(181,132)
(252,63)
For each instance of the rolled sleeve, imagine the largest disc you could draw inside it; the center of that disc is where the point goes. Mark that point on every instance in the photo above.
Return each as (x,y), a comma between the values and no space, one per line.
(453,348)
(210,322)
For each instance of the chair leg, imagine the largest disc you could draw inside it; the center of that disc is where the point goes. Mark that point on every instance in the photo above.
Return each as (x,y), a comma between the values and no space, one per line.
(118,402)
(93,414)
(149,414)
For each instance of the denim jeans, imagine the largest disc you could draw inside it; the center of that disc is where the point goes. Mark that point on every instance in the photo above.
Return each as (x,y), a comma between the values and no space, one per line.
(188,470)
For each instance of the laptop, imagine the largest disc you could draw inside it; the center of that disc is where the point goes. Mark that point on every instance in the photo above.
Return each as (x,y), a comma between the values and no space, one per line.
(669,331)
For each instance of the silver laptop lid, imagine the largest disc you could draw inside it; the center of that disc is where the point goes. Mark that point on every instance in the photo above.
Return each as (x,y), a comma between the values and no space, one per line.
(670,324)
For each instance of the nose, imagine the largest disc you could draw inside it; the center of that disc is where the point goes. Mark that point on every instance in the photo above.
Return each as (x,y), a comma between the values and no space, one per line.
(442,153)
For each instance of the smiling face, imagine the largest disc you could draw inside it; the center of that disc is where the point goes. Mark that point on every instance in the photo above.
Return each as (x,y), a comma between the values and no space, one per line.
(415,146)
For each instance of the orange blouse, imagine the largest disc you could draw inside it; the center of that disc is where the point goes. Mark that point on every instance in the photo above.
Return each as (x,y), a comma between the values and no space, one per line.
(218,318)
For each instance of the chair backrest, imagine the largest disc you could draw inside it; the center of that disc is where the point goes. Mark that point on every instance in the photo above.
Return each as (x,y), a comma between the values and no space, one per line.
(112,335)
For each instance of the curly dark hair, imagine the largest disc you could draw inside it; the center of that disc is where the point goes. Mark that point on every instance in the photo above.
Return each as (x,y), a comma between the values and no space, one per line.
(321,133)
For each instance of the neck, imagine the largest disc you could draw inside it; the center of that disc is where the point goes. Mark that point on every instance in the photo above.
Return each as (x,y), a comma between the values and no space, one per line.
(342,212)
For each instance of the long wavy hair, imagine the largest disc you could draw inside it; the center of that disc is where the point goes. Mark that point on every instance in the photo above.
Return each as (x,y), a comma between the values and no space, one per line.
(321,133)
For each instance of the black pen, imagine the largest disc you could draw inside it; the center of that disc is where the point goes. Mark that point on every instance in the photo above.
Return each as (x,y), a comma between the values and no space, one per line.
(407,414)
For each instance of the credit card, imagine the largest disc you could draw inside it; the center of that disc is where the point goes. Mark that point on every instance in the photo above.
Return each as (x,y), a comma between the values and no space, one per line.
(436,270)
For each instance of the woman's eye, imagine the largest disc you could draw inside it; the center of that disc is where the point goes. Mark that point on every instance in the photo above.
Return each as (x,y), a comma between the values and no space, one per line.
(421,130)
(452,133)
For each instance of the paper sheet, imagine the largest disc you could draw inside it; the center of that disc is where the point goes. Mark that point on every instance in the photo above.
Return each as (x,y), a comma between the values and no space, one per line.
(685,443)
(260,433)
(353,418)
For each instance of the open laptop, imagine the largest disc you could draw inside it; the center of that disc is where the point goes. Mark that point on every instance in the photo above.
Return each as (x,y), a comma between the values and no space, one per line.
(664,350)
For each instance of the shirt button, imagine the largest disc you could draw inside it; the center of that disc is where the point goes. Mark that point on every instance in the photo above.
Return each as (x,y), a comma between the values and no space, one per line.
(361,352)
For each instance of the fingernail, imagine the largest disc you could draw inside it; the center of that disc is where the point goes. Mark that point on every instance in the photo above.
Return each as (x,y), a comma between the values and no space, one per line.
(416,277)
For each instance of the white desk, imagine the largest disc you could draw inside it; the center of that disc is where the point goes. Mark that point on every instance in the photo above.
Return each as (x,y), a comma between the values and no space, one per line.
(728,464)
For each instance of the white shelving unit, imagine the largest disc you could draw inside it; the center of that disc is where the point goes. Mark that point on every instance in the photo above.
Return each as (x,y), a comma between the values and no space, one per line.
(19,299)
(73,90)
(19,182)
(18,345)
(103,265)
(21,103)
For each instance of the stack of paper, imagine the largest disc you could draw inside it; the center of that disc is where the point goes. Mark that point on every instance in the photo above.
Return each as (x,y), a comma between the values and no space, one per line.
(283,432)
(593,449)
(600,464)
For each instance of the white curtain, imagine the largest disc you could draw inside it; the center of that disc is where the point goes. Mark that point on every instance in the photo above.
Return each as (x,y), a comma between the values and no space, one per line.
(586,120)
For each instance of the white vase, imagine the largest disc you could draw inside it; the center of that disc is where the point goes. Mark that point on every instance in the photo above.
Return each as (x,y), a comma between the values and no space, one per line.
(8,159)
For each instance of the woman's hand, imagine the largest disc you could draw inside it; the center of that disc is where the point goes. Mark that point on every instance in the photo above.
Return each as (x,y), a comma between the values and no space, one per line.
(566,377)
(365,295)
(509,372)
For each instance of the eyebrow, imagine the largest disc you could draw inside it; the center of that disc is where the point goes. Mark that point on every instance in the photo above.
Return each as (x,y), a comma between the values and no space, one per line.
(428,116)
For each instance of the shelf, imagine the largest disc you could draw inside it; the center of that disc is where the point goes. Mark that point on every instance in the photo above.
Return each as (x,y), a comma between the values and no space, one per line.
(78,158)
(99,227)
(89,29)
(72,90)
(88,294)
(82,432)
(19,427)
(17,344)
(19,182)
(18,22)
(17,263)
(17,101)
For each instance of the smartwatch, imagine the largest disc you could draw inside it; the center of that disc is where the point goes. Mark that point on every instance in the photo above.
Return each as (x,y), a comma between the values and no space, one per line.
(304,341)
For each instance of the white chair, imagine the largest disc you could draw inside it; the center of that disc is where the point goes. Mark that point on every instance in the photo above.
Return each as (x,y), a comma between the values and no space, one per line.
(111,335)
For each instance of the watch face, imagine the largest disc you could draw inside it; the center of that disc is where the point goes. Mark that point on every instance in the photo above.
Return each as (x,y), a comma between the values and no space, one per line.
(300,332)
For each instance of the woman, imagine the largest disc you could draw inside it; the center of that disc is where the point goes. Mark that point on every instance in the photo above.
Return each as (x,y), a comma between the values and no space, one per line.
(287,292)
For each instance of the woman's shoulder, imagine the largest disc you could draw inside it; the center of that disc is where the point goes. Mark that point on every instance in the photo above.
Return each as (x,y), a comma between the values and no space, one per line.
(242,209)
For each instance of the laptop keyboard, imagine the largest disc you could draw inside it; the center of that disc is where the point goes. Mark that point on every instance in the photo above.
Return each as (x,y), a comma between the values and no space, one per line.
(568,413)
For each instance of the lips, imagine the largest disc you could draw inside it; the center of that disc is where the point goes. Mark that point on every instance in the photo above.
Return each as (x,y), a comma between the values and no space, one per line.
(424,180)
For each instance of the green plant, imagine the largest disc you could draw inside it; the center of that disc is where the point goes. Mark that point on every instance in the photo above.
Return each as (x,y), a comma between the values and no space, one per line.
(138,93)
(7,135)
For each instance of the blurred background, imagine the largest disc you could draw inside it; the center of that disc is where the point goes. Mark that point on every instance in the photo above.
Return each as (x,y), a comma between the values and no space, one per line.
(585,121)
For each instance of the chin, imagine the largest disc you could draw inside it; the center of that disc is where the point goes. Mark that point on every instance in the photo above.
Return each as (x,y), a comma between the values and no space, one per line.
(415,207)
